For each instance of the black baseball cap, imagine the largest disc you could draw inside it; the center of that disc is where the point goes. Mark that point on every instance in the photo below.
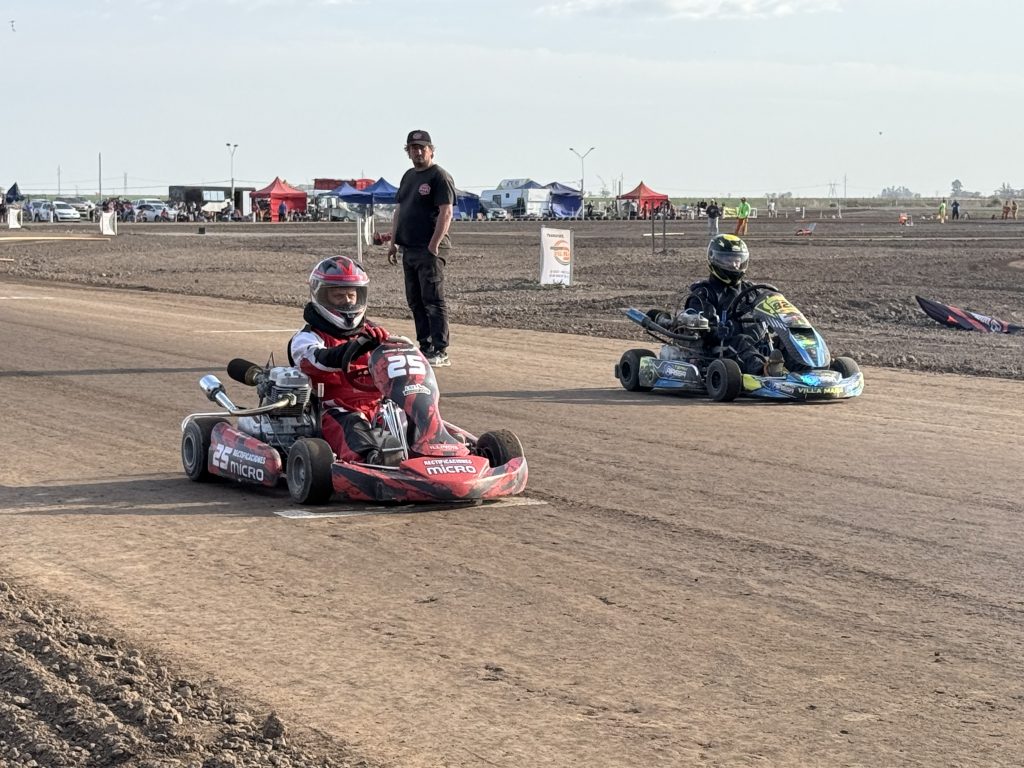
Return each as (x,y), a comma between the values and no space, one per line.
(418,137)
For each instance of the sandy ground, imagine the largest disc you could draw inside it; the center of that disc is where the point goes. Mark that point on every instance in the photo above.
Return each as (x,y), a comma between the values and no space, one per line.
(691,583)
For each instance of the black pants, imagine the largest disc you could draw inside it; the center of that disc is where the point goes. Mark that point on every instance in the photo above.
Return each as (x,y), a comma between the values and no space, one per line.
(424,291)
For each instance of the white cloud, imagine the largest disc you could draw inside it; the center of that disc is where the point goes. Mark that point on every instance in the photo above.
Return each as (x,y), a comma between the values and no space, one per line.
(689,9)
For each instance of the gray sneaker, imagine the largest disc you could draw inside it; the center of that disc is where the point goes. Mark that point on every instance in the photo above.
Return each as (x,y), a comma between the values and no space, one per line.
(439,359)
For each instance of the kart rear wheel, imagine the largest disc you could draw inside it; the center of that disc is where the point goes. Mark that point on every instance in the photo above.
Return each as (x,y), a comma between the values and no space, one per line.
(846,366)
(195,448)
(499,447)
(724,380)
(628,369)
(309,471)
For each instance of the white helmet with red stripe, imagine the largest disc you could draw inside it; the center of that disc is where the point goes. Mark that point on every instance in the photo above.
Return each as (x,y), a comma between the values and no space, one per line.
(338,288)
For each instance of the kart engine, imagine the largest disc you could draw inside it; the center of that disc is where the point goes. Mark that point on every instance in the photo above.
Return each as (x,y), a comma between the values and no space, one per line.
(285,425)
(690,328)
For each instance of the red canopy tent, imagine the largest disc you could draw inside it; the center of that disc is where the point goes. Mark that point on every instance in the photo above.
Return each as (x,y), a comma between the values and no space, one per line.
(646,198)
(275,192)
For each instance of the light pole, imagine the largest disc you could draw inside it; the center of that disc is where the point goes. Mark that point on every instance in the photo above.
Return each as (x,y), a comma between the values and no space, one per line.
(231,148)
(583,174)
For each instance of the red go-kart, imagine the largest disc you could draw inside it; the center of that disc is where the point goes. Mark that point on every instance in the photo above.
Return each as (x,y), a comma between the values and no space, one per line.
(426,459)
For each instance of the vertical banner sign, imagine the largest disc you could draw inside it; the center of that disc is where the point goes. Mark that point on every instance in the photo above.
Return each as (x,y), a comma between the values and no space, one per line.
(13,217)
(108,223)
(556,256)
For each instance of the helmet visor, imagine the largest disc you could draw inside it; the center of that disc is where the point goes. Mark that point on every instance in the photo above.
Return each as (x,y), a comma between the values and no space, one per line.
(346,301)
(731,261)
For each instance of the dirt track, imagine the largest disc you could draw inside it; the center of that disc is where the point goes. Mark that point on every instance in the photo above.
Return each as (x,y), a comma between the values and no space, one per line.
(702,583)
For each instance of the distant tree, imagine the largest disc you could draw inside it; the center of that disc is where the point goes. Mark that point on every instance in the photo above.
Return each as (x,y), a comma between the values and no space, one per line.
(957,188)
(898,193)
(1007,191)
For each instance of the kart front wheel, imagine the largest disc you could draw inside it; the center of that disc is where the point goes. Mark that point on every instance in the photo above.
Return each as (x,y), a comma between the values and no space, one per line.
(846,366)
(628,370)
(195,448)
(499,447)
(724,380)
(309,471)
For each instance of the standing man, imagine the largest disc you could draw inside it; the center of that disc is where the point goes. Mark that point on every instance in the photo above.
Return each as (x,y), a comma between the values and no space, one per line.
(955,210)
(742,212)
(714,213)
(282,211)
(426,196)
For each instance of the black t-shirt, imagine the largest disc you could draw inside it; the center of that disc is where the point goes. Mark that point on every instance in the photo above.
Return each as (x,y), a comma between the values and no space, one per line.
(420,193)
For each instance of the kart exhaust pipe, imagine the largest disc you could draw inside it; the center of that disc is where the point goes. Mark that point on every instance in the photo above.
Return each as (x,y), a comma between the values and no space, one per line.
(214,391)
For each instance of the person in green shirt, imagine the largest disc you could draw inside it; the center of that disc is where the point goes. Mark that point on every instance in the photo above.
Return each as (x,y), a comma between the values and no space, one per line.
(742,213)
(942,211)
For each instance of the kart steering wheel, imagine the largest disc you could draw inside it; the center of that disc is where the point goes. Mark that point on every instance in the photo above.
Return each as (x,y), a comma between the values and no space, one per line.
(741,297)
(355,349)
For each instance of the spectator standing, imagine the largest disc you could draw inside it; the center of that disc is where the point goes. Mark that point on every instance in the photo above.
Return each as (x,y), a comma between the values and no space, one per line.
(742,214)
(1006,209)
(282,211)
(1013,210)
(714,213)
(942,211)
(426,196)
(954,209)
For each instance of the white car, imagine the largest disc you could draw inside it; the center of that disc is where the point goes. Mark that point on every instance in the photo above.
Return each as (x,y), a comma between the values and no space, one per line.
(498,214)
(151,212)
(58,210)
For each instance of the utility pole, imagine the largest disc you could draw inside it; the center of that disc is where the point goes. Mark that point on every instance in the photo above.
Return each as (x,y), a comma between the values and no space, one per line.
(58,181)
(231,148)
(101,177)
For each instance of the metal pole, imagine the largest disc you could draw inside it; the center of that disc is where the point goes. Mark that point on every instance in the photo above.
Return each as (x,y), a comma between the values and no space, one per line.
(101,177)
(583,177)
(231,148)
(58,181)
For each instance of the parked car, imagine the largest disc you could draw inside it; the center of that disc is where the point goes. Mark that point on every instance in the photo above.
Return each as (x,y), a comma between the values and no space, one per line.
(86,208)
(151,212)
(44,210)
(63,211)
(148,201)
(496,213)
(30,208)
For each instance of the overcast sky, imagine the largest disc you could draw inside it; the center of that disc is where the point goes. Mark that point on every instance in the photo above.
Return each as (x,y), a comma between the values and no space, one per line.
(694,97)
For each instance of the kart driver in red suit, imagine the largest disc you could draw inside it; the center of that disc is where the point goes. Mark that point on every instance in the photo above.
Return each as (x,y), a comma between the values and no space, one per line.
(335,316)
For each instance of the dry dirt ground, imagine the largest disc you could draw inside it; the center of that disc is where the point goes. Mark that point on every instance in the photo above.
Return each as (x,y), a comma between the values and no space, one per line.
(854,278)
(692,583)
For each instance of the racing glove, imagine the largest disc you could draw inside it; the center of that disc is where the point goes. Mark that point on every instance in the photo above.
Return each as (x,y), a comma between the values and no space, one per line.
(333,357)
(376,333)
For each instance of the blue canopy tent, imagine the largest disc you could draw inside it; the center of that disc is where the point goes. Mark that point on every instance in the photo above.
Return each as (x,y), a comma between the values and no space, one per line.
(382,192)
(349,194)
(467,205)
(566,202)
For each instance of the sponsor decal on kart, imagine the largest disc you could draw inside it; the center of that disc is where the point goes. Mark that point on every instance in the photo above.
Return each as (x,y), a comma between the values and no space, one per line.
(415,389)
(776,304)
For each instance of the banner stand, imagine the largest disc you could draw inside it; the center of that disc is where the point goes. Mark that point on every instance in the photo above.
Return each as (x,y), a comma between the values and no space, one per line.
(556,256)
(108,223)
(14,218)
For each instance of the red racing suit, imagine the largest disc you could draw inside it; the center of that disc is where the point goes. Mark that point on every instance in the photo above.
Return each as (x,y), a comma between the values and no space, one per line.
(348,410)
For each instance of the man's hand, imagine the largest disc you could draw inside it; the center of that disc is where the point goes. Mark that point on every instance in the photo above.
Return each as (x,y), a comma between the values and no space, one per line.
(392,253)
(376,333)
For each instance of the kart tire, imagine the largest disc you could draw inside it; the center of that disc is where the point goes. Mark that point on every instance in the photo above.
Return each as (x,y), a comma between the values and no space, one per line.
(628,369)
(499,447)
(309,471)
(846,366)
(724,380)
(195,448)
